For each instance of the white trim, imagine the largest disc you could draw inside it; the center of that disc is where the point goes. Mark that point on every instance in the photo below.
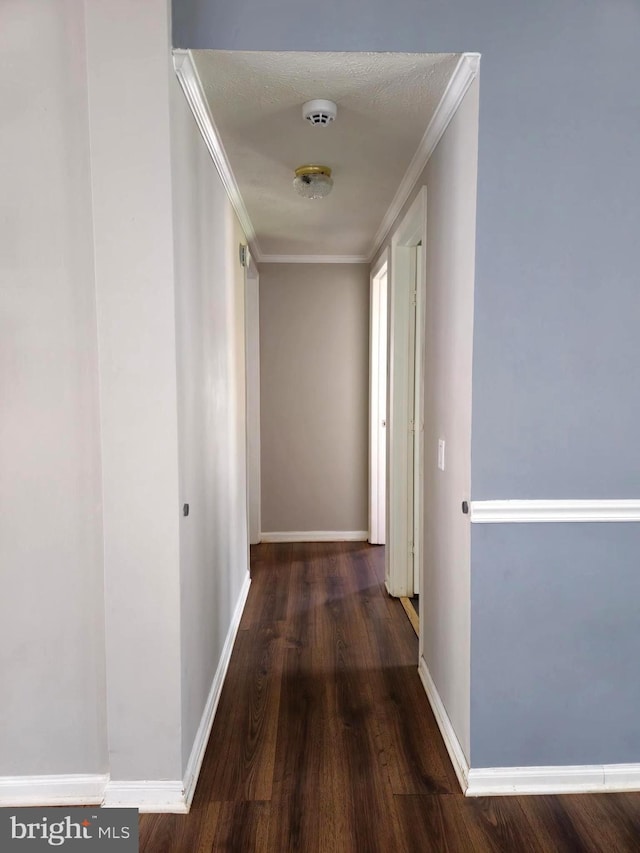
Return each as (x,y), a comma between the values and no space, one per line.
(499,512)
(314,259)
(193,89)
(503,781)
(252,400)
(189,79)
(147,796)
(194,764)
(66,790)
(464,74)
(454,748)
(378,369)
(316,536)
(404,441)
(175,796)
(594,778)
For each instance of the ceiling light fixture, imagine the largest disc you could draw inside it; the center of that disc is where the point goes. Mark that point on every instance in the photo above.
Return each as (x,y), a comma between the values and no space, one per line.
(319,112)
(313,181)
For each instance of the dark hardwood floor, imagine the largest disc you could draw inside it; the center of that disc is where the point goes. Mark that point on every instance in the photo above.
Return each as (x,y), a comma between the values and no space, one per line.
(324,739)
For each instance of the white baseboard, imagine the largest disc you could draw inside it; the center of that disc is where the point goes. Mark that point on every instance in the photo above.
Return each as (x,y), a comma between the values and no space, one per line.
(204,729)
(175,796)
(67,790)
(316,536)
(582,779)
(504,781)
(146,796)
(454,748)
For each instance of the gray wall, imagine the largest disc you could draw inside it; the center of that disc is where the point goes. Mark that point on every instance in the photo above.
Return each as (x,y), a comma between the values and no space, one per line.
(314,393)
(52,602)
(556,400)
(548,687)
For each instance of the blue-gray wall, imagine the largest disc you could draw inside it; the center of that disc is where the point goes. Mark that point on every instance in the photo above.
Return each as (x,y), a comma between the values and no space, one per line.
(554,657)
(556,396)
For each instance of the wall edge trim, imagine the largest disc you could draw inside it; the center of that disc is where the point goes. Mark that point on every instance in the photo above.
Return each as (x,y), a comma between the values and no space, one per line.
(315,536)
(53,790)
(191,84)
(518,511)
(464,74)
(451,741)
(194,765)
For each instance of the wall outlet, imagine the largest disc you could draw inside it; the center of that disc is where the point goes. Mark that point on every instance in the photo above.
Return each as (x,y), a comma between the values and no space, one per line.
(441,454)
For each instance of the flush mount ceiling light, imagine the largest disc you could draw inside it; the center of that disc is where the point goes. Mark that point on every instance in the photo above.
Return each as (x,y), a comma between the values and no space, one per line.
(313,181)
(319,112)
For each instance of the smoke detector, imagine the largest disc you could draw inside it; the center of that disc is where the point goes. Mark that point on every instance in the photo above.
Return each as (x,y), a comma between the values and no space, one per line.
(319,113)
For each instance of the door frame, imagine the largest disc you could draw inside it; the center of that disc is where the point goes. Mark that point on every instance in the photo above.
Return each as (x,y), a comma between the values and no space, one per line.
(402,529)
(378,362)
(252,357)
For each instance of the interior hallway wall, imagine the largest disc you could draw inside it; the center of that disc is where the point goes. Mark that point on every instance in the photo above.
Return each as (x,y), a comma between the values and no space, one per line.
(52,715)
(314,393)
(128,71)
(209,290)
(450,178)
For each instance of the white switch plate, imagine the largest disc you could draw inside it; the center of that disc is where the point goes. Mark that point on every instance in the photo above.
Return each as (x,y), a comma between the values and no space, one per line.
(441,454)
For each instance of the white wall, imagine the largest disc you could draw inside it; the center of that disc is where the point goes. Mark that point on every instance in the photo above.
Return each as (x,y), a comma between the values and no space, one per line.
(314,395)
(209,295)
(51,604)
(450,178)
(123,396)
(129,74)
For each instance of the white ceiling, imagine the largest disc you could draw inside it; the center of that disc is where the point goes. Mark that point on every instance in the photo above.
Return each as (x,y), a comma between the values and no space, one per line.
(385,103)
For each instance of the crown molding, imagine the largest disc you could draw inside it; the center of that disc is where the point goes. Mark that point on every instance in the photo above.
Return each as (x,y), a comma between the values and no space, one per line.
(189,79)
(314,259)
(465,72)
(193,89)
(501,512)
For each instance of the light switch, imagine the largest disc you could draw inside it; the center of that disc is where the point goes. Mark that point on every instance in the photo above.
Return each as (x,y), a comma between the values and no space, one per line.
(441,454)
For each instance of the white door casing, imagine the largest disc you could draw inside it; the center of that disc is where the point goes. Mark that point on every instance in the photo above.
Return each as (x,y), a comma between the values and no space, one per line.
(406,381)
(378,402)
(252,307)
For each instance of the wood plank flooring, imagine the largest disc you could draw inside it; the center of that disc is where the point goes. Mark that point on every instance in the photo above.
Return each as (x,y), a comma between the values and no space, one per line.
(324,739)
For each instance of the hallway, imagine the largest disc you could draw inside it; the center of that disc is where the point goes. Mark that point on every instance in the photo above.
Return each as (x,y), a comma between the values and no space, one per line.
(324,739)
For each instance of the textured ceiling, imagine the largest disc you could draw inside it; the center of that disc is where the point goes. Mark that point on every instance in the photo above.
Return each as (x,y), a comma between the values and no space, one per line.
(385,102)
